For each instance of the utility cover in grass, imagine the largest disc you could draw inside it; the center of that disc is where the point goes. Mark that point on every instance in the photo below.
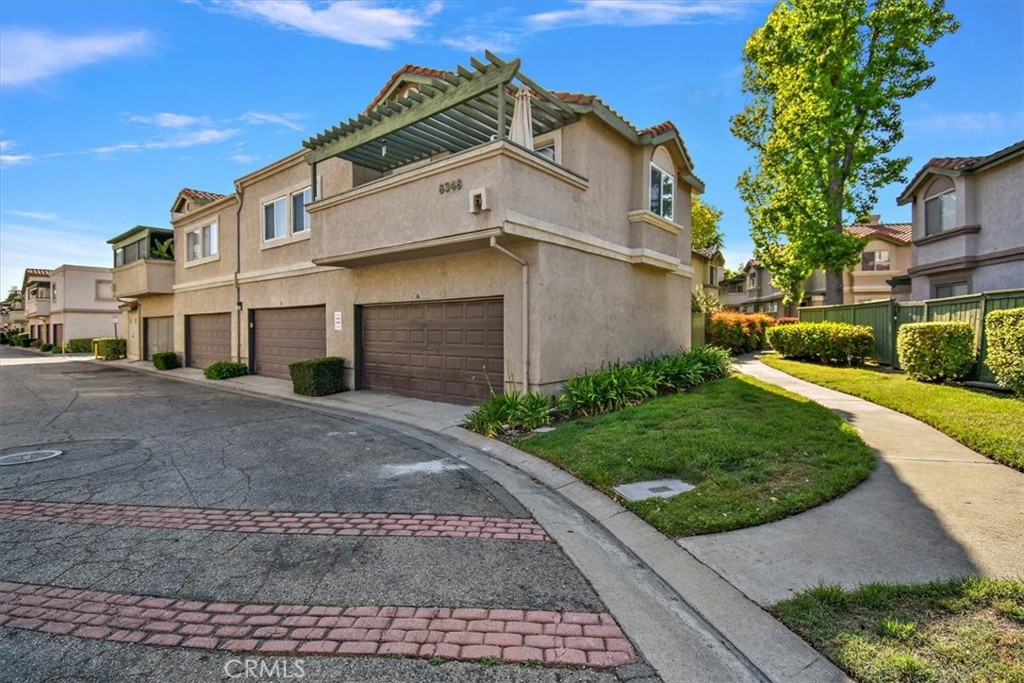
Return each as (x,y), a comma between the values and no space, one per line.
(662,488)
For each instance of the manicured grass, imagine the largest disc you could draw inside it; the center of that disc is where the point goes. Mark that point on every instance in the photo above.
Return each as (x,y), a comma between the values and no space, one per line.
(984,421)
(755,453)
(965,630)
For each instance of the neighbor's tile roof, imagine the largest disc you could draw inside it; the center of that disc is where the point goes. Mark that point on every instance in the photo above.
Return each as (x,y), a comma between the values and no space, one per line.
(895,232)
(708,252)
(397,76)
(201,195)
(959,165)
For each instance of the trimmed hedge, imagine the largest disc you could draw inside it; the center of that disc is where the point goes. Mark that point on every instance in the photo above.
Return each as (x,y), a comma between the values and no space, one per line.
(738,332)
(1005,333)
(166,360)
(825,342)
(936,351)
(80,345)
(225,369)
(111,348)
(318,376)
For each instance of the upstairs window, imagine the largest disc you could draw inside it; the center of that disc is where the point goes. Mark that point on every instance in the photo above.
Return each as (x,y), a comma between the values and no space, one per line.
(940,206)
(877,259)
(275,219)
(662,193)
(201,243)
(713,275)
(300,218)
(547,151)
(752,280)
(951,289)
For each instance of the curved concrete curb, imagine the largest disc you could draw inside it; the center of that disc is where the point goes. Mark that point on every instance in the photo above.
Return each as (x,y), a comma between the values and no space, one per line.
(688,622)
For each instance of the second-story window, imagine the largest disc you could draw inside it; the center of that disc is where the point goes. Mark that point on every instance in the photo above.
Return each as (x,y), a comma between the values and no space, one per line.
(275,219)
(876,259)
(547,151)
(940,206)
(300,219)
(752,280)
(201,243)
(662,193)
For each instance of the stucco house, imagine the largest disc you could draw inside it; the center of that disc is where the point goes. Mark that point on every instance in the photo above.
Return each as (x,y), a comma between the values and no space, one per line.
(708,270)
(143,277)
(968,224)
(12,314)
(441,248)
(69,302)
(886,257)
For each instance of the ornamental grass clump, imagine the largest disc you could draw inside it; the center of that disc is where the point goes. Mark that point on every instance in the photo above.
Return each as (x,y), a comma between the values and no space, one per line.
(511,411)
(936,351)
(1005,333)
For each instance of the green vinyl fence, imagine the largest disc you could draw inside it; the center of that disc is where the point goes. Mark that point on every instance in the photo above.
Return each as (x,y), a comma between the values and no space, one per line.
(699,328)
(885,318)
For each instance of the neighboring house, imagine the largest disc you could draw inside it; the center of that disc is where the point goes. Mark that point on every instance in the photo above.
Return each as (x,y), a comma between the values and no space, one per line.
(886,257)
(732,292)
(968,224)
(442,259)
(708,270)
(35,287)
(12,314)
(144,286)
(82,303)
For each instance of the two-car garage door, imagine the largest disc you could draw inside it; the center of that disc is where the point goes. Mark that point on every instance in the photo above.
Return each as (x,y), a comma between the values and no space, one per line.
(441,350)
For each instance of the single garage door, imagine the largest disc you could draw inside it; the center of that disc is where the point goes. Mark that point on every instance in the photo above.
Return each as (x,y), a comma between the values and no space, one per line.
(209,338)
(442,350)
(283,336)
(159,335)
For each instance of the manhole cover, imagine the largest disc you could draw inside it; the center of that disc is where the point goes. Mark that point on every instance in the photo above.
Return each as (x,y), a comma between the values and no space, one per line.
(27,456)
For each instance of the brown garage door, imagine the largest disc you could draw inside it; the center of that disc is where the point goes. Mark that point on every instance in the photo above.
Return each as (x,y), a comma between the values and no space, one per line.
(285,335)
(209,338)
(159,335)
(441,350)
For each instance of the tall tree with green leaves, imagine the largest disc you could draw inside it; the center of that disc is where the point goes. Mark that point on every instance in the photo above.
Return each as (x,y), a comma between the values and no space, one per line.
(826,79)
(705,219)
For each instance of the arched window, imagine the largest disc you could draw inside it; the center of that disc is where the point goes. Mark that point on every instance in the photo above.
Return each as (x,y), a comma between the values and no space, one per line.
(663,185)
(939,206)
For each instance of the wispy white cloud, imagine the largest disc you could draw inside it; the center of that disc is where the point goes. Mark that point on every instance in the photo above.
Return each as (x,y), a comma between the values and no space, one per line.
(35,215)
(169,120)
(968,123)
(27,56)
(244,158)
(495,42)
(288,120)
(358,22)
(15,159)
(635,13)
(203,136)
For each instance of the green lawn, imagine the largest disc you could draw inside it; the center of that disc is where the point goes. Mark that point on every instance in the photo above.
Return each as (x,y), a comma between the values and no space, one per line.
(989,423)
(755,453)
(970,630)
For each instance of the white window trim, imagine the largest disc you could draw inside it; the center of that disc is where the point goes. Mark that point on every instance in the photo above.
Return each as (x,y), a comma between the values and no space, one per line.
(202,259)
(289,237)
(671,175)
(552,139)
(287,218)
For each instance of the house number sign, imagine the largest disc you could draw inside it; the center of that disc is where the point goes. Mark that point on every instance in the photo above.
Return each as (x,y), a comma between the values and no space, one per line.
(450,186)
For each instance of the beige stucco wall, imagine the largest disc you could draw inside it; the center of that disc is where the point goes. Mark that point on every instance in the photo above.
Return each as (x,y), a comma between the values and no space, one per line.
(94,324)
(75,289)
(871,285)
(142,277)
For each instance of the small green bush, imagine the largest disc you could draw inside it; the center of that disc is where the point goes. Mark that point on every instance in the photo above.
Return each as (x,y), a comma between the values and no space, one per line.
(1005,357)
(738,332)
(56,349)
(510,411)
(111,348)
(166,360)
(225,369)
(45,347)
(825,342)
(936,351)
(318,376)
(36,343)
(80,345)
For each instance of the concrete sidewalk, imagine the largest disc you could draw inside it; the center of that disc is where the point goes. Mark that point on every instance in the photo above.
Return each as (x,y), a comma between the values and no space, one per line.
(933,509)
(658,592)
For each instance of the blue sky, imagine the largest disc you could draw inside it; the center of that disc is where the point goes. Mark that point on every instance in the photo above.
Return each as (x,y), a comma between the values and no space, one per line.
(108,109)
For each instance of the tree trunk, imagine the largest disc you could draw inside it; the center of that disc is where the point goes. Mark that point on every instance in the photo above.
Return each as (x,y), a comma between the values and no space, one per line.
(833,287)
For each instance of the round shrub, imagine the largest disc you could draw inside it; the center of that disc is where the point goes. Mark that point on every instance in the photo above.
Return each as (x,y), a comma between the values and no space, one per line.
(825,342)
(738,332)
(1005,357)
(45,347)
(166,360)
(936,351)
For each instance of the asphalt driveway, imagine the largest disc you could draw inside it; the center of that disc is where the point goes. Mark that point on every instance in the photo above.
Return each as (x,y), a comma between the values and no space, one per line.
(184,531)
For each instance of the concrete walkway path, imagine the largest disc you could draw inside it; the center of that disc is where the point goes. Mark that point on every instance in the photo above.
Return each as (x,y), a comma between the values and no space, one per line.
(933,509)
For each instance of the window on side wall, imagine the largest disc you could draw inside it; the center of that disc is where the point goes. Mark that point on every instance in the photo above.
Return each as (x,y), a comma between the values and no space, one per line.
(300,218)
(940,206)
(275,219)
(201,243)
(951,289)
(876,259)
(662,192)
(547,151)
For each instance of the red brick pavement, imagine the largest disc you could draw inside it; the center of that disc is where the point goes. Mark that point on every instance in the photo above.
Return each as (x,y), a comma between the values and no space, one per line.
(257,521)
(510,635)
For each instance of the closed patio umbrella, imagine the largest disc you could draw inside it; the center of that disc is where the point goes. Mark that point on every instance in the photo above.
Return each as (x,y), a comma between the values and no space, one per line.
(522,120)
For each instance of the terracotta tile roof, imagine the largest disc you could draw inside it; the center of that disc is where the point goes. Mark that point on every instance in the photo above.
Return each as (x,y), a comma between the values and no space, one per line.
(38,272)
(959,165)
(397,76)
(201,195)
(660,129)
(708,252)
(894,232)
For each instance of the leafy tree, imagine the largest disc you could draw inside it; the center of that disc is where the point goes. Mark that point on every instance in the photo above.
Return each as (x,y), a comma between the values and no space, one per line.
(705,219)
(13,293)
(826,78)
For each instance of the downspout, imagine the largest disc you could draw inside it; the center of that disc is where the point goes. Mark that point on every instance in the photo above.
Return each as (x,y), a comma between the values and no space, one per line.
(238,269)
(526,308)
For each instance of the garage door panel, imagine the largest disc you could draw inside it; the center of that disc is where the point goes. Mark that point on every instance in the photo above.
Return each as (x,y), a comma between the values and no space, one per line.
(443,350)
(209,338)
(282,336)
